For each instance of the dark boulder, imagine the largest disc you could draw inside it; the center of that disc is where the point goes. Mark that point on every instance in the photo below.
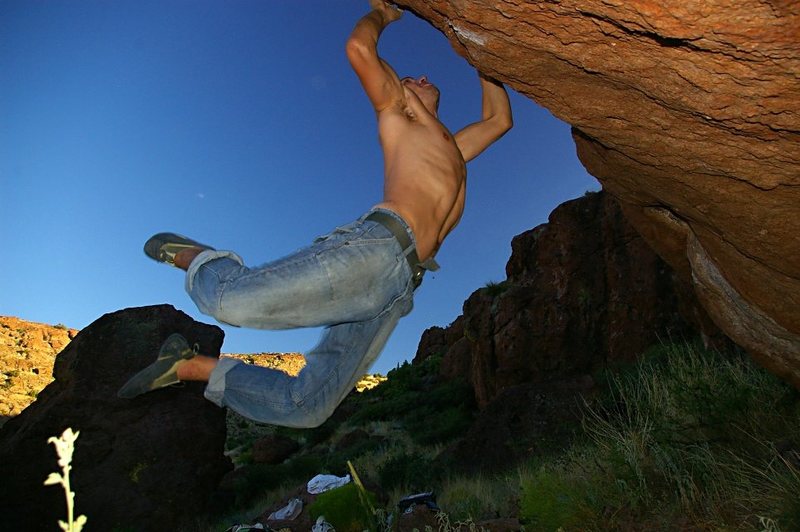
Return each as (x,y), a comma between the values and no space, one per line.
(274,449)
(152,463)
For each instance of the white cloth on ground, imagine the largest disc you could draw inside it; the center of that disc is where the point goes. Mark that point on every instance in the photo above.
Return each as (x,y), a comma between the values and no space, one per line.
(290,511)
(321,483)
(322,525)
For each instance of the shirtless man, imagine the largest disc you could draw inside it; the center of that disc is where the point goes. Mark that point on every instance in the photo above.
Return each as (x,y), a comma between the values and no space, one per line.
(357,281)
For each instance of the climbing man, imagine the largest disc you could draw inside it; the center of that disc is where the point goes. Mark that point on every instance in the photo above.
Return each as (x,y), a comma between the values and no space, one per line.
(358,280)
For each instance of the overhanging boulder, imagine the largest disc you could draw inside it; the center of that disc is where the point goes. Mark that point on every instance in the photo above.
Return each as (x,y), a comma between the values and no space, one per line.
(689,114)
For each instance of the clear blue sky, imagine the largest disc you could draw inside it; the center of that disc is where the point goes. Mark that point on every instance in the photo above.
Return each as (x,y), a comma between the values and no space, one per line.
(238,123)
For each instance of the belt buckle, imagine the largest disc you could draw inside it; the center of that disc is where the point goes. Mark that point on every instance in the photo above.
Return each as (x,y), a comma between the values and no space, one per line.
(416,276)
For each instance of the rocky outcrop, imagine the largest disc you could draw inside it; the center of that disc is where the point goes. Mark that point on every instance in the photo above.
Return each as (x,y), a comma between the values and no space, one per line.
(689,114)
(584,291)
(152,463)
(27,351)
(273,449)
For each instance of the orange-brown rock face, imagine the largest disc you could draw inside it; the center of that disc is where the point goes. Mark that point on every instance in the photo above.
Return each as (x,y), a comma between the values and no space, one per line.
(27,352)
(689,114)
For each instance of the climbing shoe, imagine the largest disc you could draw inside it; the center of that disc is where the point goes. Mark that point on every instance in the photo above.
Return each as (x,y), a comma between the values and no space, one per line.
(164,246)
(161,373)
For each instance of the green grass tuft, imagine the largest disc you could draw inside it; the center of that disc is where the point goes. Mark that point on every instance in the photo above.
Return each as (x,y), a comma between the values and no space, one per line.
(342,508)
(688,438)
(685,439)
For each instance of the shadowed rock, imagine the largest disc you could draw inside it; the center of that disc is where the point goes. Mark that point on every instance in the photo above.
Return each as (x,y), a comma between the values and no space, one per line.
(521,422)
(583,291)
(689,114)
(273,449)
(152,463)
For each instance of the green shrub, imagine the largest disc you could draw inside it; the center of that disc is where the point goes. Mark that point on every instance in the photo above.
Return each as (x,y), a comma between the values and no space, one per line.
(343,509)
(494,289)
(478,498)
(438,426)
(337,461)
(430,409)
(260,478)
(694,431)
(414,471)
(552,500)
(8,378)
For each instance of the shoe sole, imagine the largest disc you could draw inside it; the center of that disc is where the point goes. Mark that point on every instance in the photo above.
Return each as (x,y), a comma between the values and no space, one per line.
(161,373)
(163,247)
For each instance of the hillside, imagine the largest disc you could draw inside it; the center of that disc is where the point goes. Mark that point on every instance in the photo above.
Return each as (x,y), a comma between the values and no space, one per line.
(27,352)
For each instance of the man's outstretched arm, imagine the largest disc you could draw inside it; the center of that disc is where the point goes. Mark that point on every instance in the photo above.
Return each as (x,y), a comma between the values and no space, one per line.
(495,120)
(380,82)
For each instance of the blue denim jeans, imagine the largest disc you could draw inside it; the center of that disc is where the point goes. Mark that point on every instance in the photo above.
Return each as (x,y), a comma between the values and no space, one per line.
(354,281)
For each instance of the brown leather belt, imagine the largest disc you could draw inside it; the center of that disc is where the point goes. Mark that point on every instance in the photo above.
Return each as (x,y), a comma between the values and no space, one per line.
(401,234)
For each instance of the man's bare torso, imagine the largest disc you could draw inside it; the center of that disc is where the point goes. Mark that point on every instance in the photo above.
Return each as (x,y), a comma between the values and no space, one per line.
(424,173)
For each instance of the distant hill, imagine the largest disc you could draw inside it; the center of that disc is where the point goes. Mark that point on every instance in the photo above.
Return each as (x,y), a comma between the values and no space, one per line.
(27,352)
